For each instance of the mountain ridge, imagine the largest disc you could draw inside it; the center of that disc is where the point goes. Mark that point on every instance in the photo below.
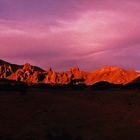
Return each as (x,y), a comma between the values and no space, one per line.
(34,75)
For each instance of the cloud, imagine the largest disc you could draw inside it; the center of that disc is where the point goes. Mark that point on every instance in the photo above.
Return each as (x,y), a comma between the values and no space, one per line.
(62,34)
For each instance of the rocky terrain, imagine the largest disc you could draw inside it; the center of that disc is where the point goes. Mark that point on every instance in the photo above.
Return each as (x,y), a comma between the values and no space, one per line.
(34,75)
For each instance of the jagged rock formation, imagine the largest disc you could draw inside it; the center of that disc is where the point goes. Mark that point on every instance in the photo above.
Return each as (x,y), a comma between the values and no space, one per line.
(77,76)
(27,74)
(50,77)
(74,76)
(34,75)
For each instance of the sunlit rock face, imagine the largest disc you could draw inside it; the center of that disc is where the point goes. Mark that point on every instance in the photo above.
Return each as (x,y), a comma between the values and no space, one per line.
(27,74)
(111,74)
(35,75)
(49,76)
(52,77)
(77,75)
(27,67)
(23,74)
(74,76)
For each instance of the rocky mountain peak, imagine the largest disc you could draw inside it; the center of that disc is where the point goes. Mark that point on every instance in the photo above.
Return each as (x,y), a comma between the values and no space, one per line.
(27,67)
(34,75)
(75,69)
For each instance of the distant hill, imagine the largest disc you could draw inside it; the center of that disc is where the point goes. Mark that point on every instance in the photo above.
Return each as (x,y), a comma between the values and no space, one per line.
(105,85)
(114,75)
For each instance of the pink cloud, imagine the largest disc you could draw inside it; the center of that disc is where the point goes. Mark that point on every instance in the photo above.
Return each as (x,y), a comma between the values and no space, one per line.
(104,33)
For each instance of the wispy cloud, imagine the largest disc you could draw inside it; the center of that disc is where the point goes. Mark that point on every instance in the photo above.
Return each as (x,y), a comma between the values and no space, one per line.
(67,33)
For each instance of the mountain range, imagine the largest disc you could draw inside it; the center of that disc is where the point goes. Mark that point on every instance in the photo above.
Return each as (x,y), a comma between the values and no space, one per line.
(33,75)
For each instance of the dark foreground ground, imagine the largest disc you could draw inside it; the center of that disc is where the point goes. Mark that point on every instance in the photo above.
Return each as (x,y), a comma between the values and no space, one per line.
(70,115)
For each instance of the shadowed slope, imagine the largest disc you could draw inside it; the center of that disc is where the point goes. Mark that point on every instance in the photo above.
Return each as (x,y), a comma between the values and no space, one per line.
(105,85)
(134,83)
(2,62)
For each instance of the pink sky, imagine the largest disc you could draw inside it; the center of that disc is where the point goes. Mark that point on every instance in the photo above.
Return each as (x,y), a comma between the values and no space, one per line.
(66,33)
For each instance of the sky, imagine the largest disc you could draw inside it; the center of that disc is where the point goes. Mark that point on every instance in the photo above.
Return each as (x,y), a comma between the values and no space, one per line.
(68,33)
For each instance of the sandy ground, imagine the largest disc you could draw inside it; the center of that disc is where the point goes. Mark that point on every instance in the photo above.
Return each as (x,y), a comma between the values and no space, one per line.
(70,115)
